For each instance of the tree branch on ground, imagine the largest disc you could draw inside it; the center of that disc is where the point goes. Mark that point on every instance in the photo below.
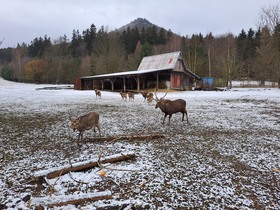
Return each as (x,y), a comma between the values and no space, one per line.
(82,166)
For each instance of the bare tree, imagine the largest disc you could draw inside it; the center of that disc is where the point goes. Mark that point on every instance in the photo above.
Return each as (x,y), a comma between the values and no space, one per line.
(269,17)
(268,53)
(265,65)
(1,42)
(276,47)
(19,57)
(60,51)
(110,53)
(208,41)
(194,52)
(227,57)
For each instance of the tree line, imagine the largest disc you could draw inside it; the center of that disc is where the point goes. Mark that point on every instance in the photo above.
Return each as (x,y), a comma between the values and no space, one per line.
(251,55)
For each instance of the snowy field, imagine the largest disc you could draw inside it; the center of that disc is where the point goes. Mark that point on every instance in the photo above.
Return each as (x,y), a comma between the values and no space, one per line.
(228,157)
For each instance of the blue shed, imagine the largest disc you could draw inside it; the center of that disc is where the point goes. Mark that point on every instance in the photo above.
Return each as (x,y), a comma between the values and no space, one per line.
(207,83)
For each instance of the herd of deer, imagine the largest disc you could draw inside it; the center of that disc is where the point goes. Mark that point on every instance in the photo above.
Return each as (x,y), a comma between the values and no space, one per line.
(167,106)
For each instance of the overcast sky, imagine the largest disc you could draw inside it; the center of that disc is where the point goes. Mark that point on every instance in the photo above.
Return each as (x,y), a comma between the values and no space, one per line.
(24,20)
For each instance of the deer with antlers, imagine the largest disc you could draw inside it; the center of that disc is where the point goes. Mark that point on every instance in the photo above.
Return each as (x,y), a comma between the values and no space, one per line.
(169,107)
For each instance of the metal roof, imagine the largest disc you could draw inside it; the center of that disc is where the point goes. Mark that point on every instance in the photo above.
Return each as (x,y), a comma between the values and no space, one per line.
(126,73)
(154,63)
(162,61)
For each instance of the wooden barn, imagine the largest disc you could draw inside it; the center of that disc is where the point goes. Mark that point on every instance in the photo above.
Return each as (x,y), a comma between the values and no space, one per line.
(164,71)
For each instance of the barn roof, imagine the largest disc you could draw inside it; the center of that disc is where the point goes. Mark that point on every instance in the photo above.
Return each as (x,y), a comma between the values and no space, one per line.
(154,63)
(162,61)
(125,73)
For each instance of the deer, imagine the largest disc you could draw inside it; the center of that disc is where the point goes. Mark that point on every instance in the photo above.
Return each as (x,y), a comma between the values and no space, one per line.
(144,94)
(123,95)
(86,122)
(150,97)
(131,96)
(169,107)
(97,93)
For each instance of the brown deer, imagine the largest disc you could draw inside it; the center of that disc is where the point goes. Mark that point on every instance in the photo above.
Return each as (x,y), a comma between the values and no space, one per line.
(131,96)
(150,97)
(169,107)
(86,122)
(97,93)
(123,95)
(144,94)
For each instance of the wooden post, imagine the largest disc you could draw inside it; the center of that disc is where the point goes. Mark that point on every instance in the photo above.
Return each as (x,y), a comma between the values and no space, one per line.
(157,81)
(124,85)
(112,83)
(102,84)
(138,83)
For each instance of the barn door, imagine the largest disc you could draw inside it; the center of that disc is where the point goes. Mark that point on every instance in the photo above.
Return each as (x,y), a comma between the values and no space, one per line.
(175,81)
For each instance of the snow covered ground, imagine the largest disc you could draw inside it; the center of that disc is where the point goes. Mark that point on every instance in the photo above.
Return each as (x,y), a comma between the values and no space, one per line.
(228,157)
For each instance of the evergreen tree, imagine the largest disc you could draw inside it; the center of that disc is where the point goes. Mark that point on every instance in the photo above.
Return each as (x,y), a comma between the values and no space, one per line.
(93,67)
(143,36)
(6,55)
(162,37)
(152,36)
(250,52)
(89,37)
(146,50)
(38,46)
(129,38)
(77,45)
(135,37)
(7,72)
(241,51)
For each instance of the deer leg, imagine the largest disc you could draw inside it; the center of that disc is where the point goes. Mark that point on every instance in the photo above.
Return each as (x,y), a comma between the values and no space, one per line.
(164,118)
(187,117)
(99,131)
(169,118)
(79,136)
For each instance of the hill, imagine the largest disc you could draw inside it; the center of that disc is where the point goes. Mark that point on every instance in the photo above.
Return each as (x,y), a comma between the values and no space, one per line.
(139,23)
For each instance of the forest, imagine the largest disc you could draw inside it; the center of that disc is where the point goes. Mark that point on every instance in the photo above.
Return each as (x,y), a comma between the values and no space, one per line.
(250,55)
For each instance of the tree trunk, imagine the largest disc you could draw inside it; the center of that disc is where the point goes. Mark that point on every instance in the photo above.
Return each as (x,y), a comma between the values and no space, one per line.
(64,200)
(82,166)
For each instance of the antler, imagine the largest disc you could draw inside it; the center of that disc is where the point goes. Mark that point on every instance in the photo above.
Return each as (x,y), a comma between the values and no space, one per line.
(163,96)
(156,95)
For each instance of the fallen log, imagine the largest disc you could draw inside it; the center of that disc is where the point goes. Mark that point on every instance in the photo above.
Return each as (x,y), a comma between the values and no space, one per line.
(64,200)
(128,137)
(82,166)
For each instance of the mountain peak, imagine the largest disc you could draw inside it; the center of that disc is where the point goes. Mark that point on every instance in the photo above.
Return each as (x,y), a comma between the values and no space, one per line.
(139,23)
